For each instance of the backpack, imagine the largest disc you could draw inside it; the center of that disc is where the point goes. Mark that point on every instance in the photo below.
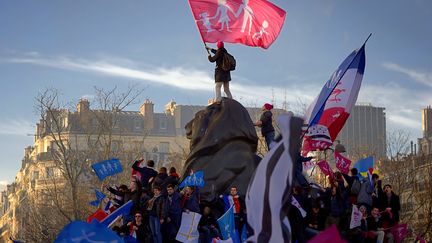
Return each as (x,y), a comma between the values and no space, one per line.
(228,62)
(355,188)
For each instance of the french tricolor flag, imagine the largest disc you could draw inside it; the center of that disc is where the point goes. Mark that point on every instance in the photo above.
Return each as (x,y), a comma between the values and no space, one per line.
(332,107)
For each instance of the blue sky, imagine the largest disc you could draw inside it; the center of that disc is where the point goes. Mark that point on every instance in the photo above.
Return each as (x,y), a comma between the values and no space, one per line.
(75,45)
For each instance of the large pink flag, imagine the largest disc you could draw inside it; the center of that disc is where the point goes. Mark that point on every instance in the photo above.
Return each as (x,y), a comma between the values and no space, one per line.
(342,163)
(399,232)
(249,22)
(325,168)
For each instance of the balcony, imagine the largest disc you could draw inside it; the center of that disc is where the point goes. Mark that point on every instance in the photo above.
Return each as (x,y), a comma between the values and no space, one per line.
(44,156)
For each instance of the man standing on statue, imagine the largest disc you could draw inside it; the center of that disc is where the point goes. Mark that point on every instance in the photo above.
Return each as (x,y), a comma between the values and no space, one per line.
(266,124)
(222,70)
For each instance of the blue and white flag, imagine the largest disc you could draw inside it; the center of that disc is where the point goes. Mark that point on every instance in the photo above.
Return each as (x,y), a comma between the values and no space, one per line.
(121,211)
(99,197)
(227,226)
(196,179)
(107,168)
(79,231)
(268,194)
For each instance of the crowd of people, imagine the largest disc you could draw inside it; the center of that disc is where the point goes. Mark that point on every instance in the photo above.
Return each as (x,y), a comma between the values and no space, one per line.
(379,207)
(158,205)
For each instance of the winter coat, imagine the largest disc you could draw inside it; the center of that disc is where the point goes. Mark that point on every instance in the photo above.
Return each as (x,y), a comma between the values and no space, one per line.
(173,204)
(365,194)
(160,180)
(191,202)
(394,204)
(220,74)
(146,174)
(158,210)
(267,125)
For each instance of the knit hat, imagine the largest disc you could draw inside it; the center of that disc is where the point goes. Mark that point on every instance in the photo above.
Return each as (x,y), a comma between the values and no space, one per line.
(220,44)
(268,106)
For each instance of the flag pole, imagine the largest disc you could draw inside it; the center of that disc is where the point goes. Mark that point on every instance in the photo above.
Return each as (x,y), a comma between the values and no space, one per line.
(335,86)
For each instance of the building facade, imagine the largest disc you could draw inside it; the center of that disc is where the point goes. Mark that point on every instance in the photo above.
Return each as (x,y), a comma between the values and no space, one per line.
(364,133)
(425,143)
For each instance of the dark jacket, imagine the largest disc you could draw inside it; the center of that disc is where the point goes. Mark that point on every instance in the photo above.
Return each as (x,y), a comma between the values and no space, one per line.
(173,204)
(158,210)
(394,204)
(172,179)
(191,202)
(267,125)
(146,174)
(220,74)
(160,180)
(316,219)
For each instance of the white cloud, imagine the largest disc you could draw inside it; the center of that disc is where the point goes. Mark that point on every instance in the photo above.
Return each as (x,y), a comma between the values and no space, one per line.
(419,76)
(19,127)
(178,77)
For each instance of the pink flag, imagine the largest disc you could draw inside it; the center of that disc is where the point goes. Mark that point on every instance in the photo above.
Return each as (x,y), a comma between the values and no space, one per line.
(342,163)
(249,22)
(325,168)
(316,138)
(399,232)
(420,239)
(329,235)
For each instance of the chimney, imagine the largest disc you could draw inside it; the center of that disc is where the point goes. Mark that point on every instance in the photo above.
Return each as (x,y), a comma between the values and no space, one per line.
(83,105)
(412,147)
(147,111)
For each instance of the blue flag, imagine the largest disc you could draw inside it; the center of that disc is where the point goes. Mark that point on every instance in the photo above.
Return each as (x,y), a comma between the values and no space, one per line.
(79,231)
(99,197)
(107,168)
(121,211)
(227,226)
(363,165)
(196,179)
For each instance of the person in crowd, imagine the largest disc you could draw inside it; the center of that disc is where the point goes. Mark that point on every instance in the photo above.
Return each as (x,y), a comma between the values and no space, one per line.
(222,76)
(174,213)
(190,199)
(233,199)
(390,204)
(147,173)
(208,226)
(266,124)
(119,193)
(173,177)
(378,191)
(156,211)
(159,180)
(335,206)
(315,221)
(366,190)
(136,228)
(354,185)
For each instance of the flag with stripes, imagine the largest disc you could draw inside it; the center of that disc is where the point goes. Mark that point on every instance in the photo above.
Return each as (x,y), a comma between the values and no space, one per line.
(269,192)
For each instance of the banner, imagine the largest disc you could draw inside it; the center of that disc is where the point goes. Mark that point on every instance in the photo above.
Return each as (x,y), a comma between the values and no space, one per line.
(332,107)
(123,210)
(356,217)
(249,22)
(195,179)
(325,168)
(363,165)
(227,226)
(188,231)
(79,231)
(269,189)
(295,203)
(342,163)
(107,168)
(99,197)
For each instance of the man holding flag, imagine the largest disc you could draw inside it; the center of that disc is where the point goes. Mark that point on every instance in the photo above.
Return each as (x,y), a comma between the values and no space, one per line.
(222,71)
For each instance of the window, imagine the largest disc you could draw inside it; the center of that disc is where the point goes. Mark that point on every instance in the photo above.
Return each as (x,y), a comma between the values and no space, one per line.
(163,123)
(138,124)
(35,175)
(49,172)
(164,147)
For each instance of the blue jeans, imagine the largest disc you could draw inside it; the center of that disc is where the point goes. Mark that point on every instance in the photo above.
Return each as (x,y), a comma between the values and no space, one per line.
(155,228)
(269,138)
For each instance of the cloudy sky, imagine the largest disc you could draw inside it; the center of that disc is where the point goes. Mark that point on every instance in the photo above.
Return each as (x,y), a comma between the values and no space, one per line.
(75,45)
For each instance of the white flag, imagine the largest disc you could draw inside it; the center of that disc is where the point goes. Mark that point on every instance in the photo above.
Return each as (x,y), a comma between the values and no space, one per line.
(188,231)
(356,217)
(268,195)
